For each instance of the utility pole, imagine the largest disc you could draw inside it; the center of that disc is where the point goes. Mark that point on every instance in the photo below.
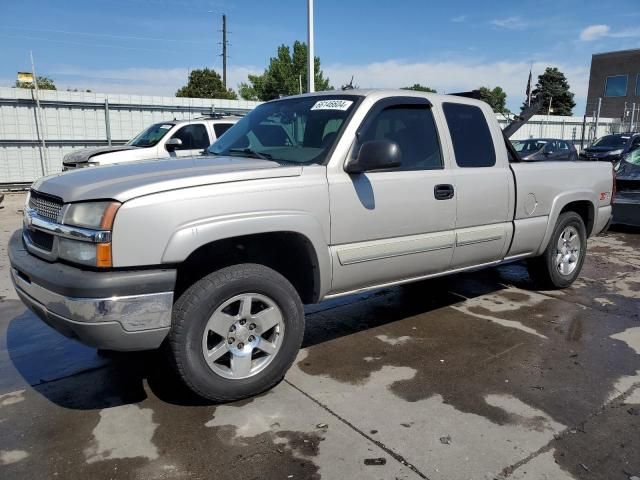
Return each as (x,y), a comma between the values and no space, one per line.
(633,118)
(311,74)
(224,51)
(40,129)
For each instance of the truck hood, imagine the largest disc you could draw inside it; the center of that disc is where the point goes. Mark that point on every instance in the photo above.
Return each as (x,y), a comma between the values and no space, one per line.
(83,156)
(125,181)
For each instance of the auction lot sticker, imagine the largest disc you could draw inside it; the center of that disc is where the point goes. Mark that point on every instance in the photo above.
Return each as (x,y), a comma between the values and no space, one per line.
(332,105)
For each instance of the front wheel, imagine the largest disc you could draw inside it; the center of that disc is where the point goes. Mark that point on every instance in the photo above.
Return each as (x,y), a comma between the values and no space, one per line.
(236,332)
(562,260)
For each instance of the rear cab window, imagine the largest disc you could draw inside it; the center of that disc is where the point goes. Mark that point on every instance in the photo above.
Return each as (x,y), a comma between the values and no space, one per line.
(472,141)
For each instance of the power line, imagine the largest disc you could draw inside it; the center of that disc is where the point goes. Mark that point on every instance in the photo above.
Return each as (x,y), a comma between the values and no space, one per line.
(104,35)
(85,44)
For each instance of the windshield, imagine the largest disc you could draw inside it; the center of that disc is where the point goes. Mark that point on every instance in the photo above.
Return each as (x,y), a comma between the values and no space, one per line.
(614,141)
(633,158)
(296,130)
(528,146)
(151,136)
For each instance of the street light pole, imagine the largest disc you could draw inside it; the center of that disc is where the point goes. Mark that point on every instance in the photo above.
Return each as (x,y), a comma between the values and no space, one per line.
(310,60)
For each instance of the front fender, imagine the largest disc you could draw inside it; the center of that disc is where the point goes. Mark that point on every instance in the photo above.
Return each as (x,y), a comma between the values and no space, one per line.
(189,237)
(561,201)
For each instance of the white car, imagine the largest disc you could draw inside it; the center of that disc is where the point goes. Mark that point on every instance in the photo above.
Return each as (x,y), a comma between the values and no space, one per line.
(176,138)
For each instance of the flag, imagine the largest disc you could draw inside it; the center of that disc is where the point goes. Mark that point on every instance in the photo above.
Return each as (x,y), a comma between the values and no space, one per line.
(528,92)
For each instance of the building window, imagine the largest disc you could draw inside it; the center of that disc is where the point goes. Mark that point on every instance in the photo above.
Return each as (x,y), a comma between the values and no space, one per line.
(616,86)
(638,85)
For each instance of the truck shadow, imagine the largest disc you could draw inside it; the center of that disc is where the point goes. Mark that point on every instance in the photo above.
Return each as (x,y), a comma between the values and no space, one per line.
(74,376)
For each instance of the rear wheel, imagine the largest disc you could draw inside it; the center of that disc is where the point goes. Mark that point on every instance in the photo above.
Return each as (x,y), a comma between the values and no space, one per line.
(236,332)
(562,260)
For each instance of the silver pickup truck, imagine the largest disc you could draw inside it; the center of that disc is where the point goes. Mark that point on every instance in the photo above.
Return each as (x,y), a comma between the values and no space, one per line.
(306,198)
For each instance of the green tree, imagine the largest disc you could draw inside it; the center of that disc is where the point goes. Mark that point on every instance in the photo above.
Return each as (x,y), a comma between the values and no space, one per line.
(496,98)
(420,88)
(44,83)
(284,75)
(553,86)
(205,83)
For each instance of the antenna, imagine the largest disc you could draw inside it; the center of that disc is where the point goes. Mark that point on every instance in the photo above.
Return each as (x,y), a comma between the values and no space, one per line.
(349,86)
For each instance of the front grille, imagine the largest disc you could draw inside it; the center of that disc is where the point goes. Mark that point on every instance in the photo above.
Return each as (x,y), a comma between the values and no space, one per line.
(628,185)
(46,206)
(41,240)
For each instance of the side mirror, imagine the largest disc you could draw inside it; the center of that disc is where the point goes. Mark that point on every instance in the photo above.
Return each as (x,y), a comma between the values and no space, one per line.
(172,144)
(375,155)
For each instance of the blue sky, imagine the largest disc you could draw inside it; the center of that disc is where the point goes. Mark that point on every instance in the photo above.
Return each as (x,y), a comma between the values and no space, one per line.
(147,46)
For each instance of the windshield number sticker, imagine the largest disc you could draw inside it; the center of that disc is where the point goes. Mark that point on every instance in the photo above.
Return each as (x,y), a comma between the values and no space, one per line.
(332,105)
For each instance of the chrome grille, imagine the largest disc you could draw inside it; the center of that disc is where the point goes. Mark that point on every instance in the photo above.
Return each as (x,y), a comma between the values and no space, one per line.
(45,206)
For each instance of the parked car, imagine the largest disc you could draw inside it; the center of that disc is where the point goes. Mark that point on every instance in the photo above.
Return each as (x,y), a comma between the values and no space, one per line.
(176,138)
(306,198)
(611,148)
(626,203)
(538,149)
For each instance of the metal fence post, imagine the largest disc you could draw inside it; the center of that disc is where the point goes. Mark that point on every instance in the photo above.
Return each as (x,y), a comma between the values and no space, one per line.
(595,130)
(107,121)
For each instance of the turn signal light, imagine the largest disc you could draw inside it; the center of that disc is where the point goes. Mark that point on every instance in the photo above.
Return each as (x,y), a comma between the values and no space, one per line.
(103,255)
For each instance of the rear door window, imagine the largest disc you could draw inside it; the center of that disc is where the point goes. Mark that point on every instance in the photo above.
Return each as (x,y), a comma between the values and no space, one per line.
(220,128)
(470,134)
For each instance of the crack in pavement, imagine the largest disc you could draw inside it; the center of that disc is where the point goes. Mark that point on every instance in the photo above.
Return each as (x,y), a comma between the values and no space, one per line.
(396,456)
(510,469)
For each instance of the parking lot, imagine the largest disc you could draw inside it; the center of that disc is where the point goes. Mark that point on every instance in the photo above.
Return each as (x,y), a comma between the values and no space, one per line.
(475,376)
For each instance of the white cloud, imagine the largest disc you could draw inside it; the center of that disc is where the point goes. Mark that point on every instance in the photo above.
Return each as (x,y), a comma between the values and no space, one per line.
(460,18)
(445,76)
(593,32)
(455,76)
(144,81)
(510,23)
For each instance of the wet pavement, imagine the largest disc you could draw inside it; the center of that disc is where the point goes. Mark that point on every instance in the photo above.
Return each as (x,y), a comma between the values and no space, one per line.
(476,376)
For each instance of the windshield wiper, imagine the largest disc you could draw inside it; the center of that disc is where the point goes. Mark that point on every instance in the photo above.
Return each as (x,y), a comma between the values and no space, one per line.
(252,153)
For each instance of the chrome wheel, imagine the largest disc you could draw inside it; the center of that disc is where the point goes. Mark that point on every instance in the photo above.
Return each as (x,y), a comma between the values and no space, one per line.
(243,336)
(568,250)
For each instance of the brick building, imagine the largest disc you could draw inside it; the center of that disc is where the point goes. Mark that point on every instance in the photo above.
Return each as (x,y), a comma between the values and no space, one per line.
(615,77)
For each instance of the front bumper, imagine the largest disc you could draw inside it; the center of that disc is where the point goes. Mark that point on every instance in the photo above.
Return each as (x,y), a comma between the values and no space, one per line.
(117,310)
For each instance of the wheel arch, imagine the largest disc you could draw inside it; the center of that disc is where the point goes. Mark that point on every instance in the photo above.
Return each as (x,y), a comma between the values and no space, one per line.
(581,202)
(292,244)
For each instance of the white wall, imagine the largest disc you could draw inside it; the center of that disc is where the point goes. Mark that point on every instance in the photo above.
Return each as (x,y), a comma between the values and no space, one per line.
(70,118)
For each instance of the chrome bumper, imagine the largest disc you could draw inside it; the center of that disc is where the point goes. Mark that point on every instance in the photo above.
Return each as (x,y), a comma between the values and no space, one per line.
(137,322)
(114,310)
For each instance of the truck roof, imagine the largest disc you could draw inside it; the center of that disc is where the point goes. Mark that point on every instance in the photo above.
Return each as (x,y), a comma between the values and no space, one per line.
(379,93)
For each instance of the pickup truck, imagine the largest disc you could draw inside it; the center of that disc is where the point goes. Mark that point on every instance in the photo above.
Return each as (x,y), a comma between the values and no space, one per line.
(175,138)
(306,198)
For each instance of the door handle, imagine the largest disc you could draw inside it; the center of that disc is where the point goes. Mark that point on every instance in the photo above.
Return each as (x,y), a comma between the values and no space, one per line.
(443,191)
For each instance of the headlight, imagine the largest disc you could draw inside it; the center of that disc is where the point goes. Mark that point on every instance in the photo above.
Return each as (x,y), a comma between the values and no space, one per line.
(94,216)
(615,152)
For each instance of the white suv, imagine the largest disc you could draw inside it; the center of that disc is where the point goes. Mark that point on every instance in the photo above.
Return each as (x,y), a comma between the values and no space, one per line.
(176,138)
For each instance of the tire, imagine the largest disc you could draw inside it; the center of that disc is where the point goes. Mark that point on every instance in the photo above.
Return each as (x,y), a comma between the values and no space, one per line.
(546,269)
(235,305)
